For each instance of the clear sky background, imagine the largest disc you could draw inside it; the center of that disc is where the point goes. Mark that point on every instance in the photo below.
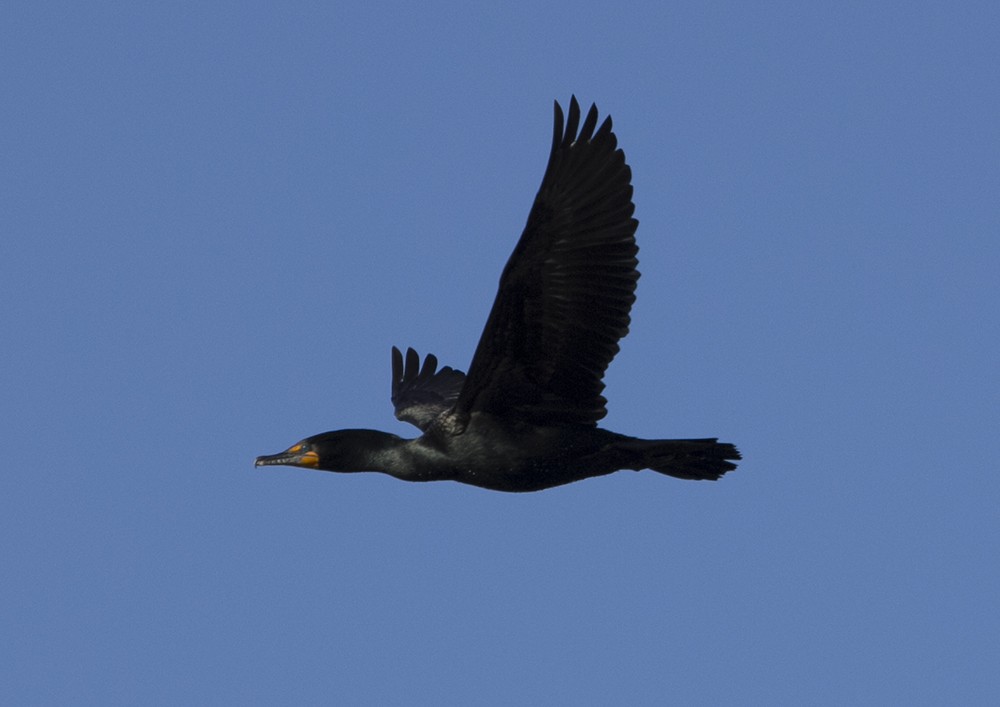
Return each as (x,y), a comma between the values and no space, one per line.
(216,218)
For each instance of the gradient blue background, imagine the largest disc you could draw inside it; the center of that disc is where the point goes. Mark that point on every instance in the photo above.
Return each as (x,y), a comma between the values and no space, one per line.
(216,219)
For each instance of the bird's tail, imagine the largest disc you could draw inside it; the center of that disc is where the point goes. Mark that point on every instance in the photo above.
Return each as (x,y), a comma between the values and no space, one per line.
(683,458)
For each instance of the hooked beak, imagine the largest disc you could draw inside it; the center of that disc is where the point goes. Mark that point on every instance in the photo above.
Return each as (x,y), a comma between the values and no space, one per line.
(293,456)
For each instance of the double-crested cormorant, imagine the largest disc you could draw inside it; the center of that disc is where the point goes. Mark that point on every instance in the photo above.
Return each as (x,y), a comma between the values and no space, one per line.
(525,416)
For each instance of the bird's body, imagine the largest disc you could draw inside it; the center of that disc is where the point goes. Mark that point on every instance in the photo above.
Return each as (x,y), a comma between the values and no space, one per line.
(525,417)
(489,453)
(506,455)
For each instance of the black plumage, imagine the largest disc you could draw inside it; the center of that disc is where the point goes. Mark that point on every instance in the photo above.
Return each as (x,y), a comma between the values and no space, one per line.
(525,416)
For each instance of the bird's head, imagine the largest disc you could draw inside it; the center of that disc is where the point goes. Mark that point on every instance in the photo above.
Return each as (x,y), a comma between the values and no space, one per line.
(341,450)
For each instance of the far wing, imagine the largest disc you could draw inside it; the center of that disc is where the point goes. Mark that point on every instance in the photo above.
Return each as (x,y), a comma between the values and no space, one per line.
(419,395)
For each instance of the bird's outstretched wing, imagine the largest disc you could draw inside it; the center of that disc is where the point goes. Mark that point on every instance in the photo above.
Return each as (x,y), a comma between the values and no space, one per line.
(419,395)
(565,294)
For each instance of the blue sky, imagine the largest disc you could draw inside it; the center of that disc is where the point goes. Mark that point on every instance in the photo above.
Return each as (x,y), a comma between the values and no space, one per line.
(218,217)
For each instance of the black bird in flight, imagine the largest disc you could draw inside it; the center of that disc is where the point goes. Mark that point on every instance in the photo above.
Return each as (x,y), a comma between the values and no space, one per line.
(524,418)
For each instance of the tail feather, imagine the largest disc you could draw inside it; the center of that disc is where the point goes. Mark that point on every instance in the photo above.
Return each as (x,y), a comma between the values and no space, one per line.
(700,459)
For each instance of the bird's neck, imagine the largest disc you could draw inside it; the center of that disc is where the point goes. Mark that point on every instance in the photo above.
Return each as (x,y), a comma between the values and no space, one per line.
(374,450)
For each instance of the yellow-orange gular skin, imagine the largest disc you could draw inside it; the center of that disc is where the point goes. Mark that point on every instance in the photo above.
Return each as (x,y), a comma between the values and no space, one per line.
(293,456)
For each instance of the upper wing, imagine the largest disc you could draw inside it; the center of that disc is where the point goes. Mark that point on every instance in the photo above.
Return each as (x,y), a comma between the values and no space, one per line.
(566,292)
(421,394)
